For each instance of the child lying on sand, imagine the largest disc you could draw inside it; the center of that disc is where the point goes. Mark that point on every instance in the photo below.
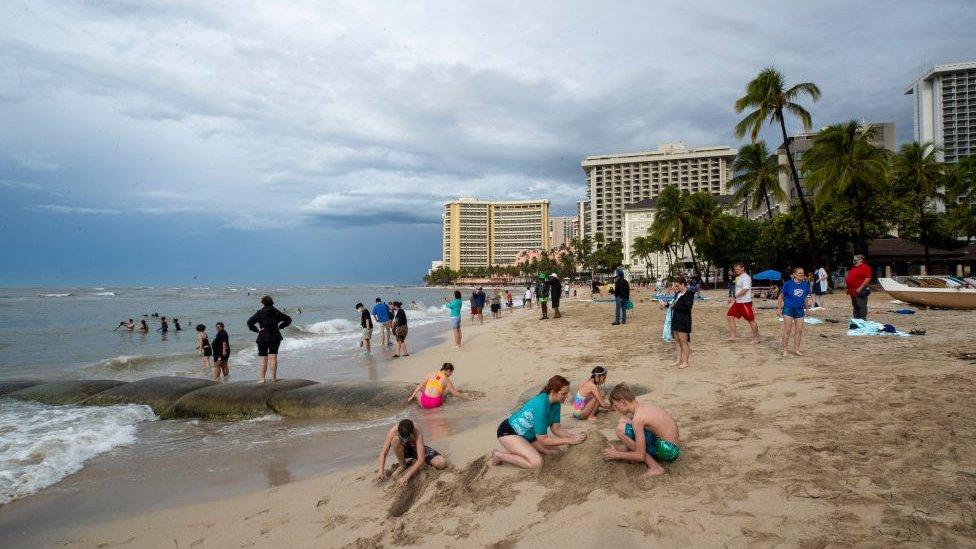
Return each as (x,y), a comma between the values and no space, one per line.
(405,438)
(650,436)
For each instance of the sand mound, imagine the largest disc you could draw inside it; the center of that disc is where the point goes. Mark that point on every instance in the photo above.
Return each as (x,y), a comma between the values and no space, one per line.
(581,470)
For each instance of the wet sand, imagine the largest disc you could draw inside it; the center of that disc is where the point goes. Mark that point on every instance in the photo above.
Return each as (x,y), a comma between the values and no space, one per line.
(861,442)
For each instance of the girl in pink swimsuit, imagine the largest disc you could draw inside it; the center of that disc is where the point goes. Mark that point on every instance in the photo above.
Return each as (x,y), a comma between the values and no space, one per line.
(430,392)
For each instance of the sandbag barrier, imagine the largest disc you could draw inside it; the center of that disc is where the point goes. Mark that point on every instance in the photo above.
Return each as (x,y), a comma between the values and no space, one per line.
(185,397)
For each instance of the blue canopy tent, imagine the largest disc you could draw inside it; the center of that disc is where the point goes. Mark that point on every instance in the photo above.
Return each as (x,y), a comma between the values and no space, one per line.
(768,275)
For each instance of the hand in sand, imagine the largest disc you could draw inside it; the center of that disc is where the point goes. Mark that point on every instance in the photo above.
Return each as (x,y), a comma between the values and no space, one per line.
(611,453)
(380,476)
(402,481)
(577,438)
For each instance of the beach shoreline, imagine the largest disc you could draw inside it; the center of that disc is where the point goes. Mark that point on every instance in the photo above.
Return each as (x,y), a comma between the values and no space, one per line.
(815,450)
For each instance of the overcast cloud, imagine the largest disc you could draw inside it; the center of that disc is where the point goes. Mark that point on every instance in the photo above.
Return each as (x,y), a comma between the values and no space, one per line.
(355,118)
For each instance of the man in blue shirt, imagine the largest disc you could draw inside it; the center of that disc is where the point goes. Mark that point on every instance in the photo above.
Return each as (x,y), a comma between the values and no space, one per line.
(791,305)
(479,303)
(382,314)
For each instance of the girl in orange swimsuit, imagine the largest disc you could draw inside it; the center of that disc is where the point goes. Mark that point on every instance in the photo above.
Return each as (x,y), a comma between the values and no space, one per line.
(430,392)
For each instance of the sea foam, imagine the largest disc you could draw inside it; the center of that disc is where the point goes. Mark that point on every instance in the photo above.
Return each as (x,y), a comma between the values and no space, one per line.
(42,444)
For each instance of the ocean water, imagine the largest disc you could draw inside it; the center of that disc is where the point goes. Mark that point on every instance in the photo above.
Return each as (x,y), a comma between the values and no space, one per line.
(70,333)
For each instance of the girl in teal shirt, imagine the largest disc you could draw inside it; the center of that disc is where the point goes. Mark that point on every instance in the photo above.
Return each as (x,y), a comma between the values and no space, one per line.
(455,308)
(524,434)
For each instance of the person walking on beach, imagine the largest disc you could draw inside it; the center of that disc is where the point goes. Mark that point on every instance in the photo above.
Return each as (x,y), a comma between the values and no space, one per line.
(527,298)
(791,305)
(524,434)
(221,351)
(455,306)
(268,323)
(595,289)
(366,323)
(555,293)
(684,300)
(820,286)
(621,295)
(542,295)
(857,280)
(381,312)
(203,343)
(430,392)
(473,302)
(740,304)
(496,304)
(479,301)
(400,329)
(407,442)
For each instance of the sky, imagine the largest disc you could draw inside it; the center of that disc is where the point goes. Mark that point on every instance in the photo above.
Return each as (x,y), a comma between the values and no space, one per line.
(315,142)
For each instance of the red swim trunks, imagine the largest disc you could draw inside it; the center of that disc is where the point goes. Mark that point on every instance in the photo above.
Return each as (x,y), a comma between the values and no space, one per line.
(742,310)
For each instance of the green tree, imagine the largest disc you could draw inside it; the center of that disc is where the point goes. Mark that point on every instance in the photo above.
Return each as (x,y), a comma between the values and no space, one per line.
(768,95)
(961,197)
(702,210)
(843,164)
(919,177)
(737,242)
(441,276)
(610,256)
(758,177)
(643,248)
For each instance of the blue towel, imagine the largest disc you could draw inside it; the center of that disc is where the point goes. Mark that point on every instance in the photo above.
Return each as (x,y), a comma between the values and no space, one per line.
(666,332)
(905,312)
(858,327)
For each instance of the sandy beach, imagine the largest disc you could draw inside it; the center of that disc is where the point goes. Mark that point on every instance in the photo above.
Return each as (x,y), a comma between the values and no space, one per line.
(864,441)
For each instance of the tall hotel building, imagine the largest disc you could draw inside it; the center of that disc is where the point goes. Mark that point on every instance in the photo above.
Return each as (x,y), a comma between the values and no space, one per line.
(480,233)
(617,180)
(562,230)
(945,109)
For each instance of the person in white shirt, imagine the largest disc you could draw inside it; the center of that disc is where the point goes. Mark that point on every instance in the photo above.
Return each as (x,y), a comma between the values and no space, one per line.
(740,304)
(527,298)
(819,286)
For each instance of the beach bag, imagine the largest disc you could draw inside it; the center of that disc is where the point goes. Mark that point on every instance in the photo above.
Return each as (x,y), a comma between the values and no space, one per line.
(629,305)
(666,332)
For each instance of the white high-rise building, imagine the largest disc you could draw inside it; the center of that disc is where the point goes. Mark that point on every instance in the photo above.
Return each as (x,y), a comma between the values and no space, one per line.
(945,109)
(618,180)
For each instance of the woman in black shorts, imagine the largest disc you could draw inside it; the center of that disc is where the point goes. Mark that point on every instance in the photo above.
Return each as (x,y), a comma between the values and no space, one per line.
(203,343)
(268,322)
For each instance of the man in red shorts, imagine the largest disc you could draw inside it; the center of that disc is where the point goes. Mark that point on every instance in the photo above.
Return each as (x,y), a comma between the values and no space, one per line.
(857,280)
(740,304)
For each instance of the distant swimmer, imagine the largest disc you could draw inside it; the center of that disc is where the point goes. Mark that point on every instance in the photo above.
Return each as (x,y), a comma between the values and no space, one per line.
(221,353)
(524,434)
(128,325)
(430,392)
(407,442)
(649,432)
(299,310)
(590,398)
(144,327)
(176,325)
(163,325)
(203,343)
(268,322)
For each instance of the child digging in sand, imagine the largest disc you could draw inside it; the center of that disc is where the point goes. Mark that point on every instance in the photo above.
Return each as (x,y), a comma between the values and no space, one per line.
(650,435)
(589,399)
(430,392)
(405,438)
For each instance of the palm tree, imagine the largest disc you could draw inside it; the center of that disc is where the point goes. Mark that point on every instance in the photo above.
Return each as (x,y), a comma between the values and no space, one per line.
(843,163)
(961,195)
(768,95)
(702,210)
(920,176)
(758,176)
(674,221)
(642,249)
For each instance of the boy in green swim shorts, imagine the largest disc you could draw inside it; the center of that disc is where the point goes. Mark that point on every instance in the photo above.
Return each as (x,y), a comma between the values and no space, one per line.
(648,432)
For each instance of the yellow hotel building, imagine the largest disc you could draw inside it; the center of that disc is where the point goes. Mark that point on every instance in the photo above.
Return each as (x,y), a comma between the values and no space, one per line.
(481,233)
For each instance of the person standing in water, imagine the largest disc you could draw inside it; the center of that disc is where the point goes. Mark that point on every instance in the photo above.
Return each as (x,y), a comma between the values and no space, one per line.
(221,352)
(542,295)
(455,306)
(163,325)
(527,298)
(176,325)
(382,314)
(790,306)
(143,327)
(400,329)
(366,323)
(479,301)
(203,343)
(496,304)
(268,323)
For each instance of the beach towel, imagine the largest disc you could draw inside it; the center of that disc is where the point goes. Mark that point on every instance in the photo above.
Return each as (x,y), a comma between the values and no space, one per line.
(858,327)
(666,332)
(666,298)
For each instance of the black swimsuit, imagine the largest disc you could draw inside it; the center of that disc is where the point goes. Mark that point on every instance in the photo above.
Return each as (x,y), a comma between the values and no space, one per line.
(205,345)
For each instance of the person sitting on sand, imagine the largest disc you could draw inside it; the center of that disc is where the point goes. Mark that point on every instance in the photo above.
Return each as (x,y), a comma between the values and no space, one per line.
(524,436)
(648,432)
(430,392)
(405,438)
(590,399)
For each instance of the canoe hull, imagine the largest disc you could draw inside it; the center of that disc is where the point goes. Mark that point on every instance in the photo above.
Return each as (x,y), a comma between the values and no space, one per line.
(947,298)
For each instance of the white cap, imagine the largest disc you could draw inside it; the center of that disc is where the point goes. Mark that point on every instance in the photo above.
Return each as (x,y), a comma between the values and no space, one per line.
(554,274)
